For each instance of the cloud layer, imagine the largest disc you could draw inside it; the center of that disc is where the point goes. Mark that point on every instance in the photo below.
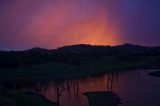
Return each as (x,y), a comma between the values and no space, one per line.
(53,23)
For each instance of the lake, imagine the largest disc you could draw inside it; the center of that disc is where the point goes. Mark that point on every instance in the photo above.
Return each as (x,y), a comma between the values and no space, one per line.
(135,88)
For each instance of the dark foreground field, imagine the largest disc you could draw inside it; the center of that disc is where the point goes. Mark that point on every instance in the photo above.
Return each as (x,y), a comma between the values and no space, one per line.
(69,62)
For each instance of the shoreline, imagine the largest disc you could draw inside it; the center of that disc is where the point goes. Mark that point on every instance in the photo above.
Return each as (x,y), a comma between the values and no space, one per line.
(155,73)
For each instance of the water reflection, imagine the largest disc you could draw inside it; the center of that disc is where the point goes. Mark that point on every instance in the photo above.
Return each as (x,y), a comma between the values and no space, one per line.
(111,77)
(70,92)
(135,88)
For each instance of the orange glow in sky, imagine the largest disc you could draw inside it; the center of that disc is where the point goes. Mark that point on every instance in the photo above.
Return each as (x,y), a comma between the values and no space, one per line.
(50,24)
(61,28)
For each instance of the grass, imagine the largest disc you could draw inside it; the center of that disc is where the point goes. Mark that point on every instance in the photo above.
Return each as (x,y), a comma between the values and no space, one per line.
(102,98)
(111,64)
(53,71)
(40,72)
(21,98)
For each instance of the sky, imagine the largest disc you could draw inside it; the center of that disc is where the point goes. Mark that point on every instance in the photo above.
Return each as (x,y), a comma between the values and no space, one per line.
(50,24)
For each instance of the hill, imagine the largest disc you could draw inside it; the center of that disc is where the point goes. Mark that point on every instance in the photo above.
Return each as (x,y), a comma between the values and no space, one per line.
(76,55)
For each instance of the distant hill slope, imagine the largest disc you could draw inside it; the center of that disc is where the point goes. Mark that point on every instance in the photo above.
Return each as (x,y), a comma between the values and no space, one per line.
(125,48)
(73,54)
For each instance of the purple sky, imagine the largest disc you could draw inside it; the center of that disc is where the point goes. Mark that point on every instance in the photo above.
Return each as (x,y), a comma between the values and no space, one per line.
(53,23)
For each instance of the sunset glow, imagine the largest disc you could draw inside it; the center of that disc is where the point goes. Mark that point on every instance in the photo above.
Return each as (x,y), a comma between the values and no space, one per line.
(51,24)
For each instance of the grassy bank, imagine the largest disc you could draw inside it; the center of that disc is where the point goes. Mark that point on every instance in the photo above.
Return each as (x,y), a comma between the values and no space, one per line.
(75,61)
(155,73)
(113,63)
(53,70)
(21,98)
(38,72)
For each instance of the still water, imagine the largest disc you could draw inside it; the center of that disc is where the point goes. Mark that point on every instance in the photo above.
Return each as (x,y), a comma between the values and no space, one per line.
(135,88)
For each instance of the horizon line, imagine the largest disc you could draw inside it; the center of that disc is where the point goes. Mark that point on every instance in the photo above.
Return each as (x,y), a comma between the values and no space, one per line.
(77,45)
